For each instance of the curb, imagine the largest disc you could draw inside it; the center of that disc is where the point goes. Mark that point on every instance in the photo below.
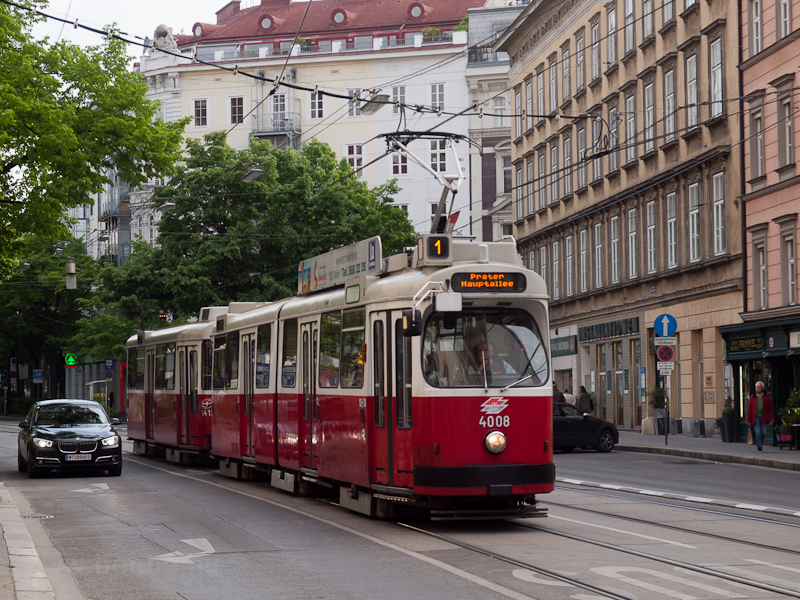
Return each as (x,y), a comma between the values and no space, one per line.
(757,461)
(785,512)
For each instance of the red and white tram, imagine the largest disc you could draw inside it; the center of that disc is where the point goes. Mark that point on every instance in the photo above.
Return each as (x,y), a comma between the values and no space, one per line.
(422,380)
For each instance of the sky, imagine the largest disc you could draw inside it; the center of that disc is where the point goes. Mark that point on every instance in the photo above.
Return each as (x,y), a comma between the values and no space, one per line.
(139,18)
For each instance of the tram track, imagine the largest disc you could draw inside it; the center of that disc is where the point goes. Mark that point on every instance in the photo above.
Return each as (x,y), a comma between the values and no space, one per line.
(632,497)
(682,529)
(735,579)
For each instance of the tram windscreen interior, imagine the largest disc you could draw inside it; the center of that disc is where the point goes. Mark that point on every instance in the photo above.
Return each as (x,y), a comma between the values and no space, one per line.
(476,347)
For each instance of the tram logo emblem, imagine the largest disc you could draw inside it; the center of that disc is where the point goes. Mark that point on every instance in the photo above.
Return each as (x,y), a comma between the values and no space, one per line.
(494,406)
(206,405)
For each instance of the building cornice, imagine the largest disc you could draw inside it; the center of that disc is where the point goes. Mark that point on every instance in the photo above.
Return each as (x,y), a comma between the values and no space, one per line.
(776,187)
(770,50)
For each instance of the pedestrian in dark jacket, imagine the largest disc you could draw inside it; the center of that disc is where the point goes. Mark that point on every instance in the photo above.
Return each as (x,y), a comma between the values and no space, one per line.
(760,413)
(583,401)
(557,395)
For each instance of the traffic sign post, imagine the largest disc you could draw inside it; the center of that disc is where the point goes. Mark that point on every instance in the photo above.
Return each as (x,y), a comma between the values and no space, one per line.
(665,354)
(665,325)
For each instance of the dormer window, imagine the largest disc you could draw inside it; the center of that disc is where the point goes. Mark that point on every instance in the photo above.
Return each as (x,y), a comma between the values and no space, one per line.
(417,10)
(198,30)
(266,22)
(341,17)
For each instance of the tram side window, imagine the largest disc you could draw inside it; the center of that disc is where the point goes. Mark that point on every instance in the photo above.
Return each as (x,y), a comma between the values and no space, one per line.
(330,333)
(262,356)
(207,365)
(232,361)
(219,362)
(160,364)
(353,348)
(289,365)
(380,382)
(193,381)
(140,363)
(169,367)
(402,376)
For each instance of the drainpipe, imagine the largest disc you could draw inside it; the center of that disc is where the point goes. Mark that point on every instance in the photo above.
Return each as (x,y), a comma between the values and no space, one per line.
(741,167)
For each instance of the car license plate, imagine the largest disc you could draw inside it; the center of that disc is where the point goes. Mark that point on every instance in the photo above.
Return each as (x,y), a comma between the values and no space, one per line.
(71,457)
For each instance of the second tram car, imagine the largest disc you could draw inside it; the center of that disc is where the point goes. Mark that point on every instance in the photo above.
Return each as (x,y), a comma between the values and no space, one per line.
(420,381)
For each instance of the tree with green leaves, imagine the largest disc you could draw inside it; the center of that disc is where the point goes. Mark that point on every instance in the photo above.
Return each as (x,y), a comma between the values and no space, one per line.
(229,240)
(68,113)
(38,315)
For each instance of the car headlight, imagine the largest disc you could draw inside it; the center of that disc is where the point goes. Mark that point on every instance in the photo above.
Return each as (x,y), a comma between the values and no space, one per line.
(110,441)
(495,442)
(42,443)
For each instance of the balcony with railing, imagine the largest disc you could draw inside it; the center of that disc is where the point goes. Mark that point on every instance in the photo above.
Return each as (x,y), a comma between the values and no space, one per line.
(276,123)
(484,56)
(115,205)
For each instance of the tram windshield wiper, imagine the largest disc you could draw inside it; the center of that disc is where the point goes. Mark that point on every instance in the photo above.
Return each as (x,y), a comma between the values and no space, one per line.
(510,385)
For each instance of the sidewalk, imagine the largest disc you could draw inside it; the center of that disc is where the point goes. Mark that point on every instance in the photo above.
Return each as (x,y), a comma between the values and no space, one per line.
(710,449)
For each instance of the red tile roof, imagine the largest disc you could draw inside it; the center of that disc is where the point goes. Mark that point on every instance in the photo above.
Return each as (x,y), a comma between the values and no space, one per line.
(366,17)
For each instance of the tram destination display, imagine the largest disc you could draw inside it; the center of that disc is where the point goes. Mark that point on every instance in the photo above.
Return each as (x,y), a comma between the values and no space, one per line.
(488,282)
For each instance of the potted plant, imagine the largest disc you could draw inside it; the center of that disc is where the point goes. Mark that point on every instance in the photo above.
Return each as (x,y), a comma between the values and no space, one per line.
(676,425)
(728,421)
(699,428)
(784,432)
(657,400)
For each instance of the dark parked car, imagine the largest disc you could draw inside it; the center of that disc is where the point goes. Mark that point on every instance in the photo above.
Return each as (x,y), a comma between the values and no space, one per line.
(572,428)
(68,434)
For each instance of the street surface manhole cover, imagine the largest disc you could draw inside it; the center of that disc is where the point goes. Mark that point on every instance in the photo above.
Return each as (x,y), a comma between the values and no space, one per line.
(36,516)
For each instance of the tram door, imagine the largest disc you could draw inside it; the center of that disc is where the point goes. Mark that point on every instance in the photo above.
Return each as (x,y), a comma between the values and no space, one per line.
(402,465)
(381,400)
(311,412)
(149,393)
(183,395)
(249,366)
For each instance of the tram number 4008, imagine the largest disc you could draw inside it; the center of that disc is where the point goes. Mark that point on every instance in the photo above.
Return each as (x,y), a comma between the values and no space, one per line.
(492,421)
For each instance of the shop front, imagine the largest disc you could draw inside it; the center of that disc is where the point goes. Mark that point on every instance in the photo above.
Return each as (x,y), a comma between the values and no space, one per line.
(564,350)
(768,352)
(612,367)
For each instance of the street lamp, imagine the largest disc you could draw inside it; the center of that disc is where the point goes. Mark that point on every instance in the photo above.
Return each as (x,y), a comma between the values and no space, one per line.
(374,104)
(25,265)
(167,206)
(253,174)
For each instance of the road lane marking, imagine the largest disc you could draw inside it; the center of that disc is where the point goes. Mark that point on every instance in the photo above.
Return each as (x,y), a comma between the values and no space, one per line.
(608,486)
(755,575)
(93,487)
(651,493)
(616,573)
(641,535)
(698,499)
(573,481)
(485,583)
(761,562)
(529,577)
(179,557)
(751,507)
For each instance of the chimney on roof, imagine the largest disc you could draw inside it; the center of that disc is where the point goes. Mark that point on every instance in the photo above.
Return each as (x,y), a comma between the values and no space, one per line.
(228,10)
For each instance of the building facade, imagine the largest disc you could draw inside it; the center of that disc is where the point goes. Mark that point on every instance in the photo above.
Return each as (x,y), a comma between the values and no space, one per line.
(490,126)
(408,51)
(626,183)
(764,348)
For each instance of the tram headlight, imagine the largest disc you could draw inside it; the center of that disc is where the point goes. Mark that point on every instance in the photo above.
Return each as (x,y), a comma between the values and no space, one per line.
(495,442)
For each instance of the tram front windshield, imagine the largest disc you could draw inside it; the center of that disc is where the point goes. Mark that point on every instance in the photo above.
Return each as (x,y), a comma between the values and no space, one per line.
(480,347)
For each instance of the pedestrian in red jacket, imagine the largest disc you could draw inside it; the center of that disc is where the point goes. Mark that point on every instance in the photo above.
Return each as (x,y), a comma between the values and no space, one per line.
(760,413)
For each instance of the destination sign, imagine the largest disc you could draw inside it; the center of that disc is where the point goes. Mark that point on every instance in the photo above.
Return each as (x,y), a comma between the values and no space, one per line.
(489,282)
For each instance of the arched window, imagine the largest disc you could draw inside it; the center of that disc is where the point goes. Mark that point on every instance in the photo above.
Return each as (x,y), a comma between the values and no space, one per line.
(152,229)
(141,226)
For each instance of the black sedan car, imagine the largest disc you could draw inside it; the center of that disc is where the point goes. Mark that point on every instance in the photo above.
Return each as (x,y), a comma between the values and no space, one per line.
(68,434)
(572,428)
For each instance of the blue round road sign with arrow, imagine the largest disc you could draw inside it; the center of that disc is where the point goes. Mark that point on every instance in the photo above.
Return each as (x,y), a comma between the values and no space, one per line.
(665,325)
